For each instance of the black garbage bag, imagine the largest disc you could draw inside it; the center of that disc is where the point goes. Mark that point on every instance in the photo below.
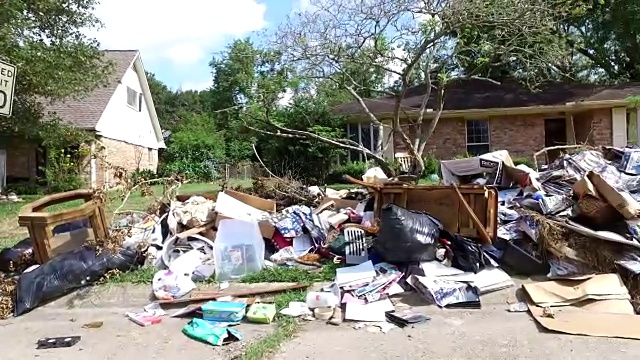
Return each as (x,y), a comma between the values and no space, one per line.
(406,235)
(467,254)
(18,257)
(67,272)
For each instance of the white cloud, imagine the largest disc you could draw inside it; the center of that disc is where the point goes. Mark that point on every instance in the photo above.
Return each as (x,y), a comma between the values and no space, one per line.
(182,32)
(301,6)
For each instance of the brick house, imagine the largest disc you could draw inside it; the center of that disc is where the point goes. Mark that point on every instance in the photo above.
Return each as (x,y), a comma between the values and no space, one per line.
(480,116)
(121,116)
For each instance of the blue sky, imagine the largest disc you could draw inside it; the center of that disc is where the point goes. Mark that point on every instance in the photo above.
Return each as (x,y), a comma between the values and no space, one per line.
(177,42)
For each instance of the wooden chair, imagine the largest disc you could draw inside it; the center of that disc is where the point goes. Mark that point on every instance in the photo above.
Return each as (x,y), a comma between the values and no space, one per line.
(41,223)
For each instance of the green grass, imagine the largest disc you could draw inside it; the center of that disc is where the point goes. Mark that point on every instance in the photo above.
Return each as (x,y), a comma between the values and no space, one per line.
(288,274)
(11,233)
(140,276)
(286,327)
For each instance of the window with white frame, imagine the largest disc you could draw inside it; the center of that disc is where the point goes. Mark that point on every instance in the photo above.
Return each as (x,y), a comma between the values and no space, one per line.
(364,134)
(478,137)
(134,99)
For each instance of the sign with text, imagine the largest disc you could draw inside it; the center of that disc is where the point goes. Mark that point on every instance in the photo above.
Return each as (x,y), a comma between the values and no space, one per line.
(7,85)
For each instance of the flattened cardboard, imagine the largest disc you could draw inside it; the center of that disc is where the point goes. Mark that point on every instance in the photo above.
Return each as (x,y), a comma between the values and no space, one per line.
(585,321)
(622,201)
(567,292)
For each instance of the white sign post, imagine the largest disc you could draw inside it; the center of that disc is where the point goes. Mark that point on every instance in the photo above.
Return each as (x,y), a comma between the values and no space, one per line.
(7,85)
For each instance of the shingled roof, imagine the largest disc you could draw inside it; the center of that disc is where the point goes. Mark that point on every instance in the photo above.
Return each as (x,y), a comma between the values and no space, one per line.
(474,94)
(85,112)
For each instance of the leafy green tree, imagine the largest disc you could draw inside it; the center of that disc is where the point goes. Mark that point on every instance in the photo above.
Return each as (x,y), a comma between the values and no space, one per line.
(46,40)
(419,45)
(195,148)
(234,74)
(304,159)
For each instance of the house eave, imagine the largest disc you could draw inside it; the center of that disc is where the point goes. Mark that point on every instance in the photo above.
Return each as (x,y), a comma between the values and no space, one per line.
(483,113)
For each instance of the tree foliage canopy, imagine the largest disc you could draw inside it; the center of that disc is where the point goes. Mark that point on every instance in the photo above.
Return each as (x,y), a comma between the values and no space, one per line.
(46,40)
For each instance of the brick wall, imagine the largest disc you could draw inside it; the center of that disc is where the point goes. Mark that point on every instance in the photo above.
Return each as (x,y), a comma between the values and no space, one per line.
(447,141)
(594,127)
(21,159)
(602,127)
(128,156)
(521,135)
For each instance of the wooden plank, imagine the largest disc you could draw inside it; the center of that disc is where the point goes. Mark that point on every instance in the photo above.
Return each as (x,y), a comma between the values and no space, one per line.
(258,290)
(479,227)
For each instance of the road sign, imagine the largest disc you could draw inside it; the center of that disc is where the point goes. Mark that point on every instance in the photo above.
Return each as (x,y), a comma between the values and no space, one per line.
(7,85)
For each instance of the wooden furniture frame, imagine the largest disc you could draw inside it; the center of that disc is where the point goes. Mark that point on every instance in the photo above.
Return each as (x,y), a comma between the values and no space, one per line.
(461,209)
(40,223)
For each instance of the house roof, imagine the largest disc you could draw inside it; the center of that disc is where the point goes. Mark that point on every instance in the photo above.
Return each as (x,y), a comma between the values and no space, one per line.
(475,94)
(85,111)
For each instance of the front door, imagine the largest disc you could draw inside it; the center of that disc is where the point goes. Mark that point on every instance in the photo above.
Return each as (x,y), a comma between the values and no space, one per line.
(555,134)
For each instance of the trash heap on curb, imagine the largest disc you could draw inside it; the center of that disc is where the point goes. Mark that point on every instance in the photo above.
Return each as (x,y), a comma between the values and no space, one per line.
(574,221)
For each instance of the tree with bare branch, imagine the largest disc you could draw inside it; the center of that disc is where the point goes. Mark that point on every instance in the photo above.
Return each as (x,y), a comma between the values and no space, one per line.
(414,42)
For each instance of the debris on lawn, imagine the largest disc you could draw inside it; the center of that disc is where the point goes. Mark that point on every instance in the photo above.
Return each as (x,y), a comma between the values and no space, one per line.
(575,220)
(10,198)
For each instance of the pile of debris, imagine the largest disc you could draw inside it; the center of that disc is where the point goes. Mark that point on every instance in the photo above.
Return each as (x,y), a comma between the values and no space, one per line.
(575,221)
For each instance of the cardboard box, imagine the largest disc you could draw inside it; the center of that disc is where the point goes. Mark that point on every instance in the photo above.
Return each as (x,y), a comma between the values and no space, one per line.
(253,201)
(340,203)
(585,187)
(621,201)
(266,228)
(223,311)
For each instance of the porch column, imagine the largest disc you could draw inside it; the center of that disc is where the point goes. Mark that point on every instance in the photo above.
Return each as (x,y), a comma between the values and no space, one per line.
(389,153)
(637,126)
(619,126)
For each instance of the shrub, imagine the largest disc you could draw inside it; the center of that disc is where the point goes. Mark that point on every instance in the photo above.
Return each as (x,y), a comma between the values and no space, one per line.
(464,155)
(523,160)
(140,175)
(193,149)
(355,169)
(431,165)
(25,188)
(62,171)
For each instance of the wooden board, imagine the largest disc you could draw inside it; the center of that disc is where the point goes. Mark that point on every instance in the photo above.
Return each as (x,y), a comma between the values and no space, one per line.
(443,203)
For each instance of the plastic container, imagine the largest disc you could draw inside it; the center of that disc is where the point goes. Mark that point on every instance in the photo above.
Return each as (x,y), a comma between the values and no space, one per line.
(321,300)
(238,249)
(522,262)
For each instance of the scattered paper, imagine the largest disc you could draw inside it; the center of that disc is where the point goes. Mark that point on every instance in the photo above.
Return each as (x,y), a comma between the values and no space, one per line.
(363,272)
(631,265)
(435,268)
(154,309)
(382,326)
(487,280)
(302,244)
(348,298)
(372,312)
(297,308)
